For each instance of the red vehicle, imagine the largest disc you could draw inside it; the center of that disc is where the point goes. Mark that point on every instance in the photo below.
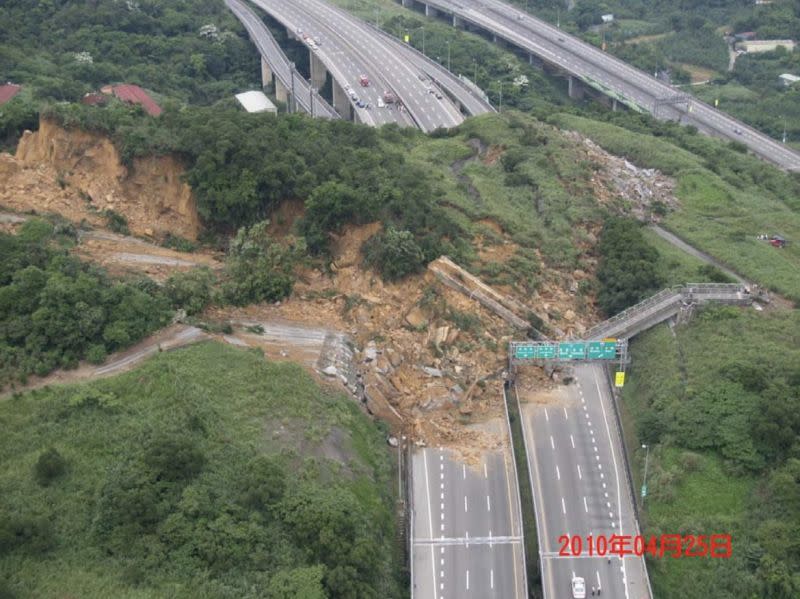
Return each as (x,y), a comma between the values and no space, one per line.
(389,97)
(364,81)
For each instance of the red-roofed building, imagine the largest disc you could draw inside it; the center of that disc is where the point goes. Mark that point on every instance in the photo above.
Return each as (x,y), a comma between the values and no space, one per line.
(8,91)
(133,94)
(94,99)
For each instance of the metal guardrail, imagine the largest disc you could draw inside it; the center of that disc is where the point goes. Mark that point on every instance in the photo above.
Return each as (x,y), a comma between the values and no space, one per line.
(694,291)
(628,468)
(279,63)
(516,478)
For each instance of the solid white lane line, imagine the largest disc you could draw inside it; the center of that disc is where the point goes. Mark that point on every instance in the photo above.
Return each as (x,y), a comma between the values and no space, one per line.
(468,579)
(464,471)
(491,578)
(485,471)
(430,518)
(488,504)
(465,503)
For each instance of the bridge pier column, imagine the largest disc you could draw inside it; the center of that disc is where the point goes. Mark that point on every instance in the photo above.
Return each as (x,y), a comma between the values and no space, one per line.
(341,102)
(534,61)
(430,11)
(266,74)
(318,71)
(458,23)
(281,93)
(408,3)
(575,88)
(614,105)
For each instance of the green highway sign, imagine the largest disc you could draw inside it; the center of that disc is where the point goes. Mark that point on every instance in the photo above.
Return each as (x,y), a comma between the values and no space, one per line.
(524,352)
(572,351)
(602,350)
(567,350)
(546,352)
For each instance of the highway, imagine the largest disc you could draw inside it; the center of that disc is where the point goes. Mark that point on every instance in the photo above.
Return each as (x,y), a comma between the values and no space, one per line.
(349,48)
(339,59)
(579,487)
(278,62)
(466,533)
(611,75)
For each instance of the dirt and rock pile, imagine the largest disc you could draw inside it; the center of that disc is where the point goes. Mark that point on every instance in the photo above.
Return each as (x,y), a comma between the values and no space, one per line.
(80,175)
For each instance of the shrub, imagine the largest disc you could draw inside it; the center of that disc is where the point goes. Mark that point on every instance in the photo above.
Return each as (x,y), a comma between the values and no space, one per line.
(190,291)
(49,467)
(96,354)
(394,253)
(117,222)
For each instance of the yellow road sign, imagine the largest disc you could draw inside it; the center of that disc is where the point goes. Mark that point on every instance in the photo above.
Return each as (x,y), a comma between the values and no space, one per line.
(619,380)
(406,38)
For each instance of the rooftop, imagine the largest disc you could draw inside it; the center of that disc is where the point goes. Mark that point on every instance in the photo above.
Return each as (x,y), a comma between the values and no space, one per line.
(255,101)
(8,91)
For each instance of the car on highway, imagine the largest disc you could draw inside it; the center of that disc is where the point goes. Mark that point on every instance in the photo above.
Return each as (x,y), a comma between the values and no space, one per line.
(364,81)
(381,103)
(560,39)
(578,588)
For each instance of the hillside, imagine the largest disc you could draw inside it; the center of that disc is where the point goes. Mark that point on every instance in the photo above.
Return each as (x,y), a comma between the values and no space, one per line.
(208,472)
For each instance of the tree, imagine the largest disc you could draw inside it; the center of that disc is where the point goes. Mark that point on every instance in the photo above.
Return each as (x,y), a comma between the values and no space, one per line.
(49,467)
(298,582)
(394,253)
(259,268)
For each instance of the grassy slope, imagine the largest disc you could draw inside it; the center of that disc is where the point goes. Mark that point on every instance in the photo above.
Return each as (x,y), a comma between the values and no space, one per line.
(248,408)
(715,216)
(697,492)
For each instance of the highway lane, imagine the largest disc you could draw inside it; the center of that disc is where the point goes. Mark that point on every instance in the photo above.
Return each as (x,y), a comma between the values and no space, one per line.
(384,61)
(466,534)
(278,62)
(589,62)
(339,59)
(579,486)
(471,98)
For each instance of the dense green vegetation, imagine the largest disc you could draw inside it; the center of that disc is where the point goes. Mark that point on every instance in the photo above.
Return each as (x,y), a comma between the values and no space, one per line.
(628,271)
(727,198)
(55,311)
(721,419)
(207,472)
(162,46)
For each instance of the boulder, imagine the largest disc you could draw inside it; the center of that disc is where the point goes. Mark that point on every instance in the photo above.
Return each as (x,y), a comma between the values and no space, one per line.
(416,318)
(434,372)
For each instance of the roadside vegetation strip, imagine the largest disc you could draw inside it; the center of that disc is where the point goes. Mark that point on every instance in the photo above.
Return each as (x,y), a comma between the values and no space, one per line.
(529,530)
(245,477)
(720,426)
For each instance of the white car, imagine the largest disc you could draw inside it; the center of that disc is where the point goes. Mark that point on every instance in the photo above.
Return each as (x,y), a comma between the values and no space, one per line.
(578,588)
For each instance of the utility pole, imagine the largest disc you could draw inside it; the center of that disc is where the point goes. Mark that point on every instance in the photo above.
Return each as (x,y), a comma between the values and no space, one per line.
(644,484)
(448,54)
(501,97)
(784,129)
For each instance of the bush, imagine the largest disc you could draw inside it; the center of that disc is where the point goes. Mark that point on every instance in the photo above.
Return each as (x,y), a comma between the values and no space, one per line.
(96,354)
(259,268)
(49,467)
(117,222)
(394,253)
(190,291)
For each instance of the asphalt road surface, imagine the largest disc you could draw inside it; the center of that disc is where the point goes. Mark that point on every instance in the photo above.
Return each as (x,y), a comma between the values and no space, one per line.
(348,48)
(311,102)
(579,487)
(467,538)
(590,63)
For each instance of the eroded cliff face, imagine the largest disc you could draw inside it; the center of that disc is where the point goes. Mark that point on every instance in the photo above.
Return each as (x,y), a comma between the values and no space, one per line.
(80,174)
